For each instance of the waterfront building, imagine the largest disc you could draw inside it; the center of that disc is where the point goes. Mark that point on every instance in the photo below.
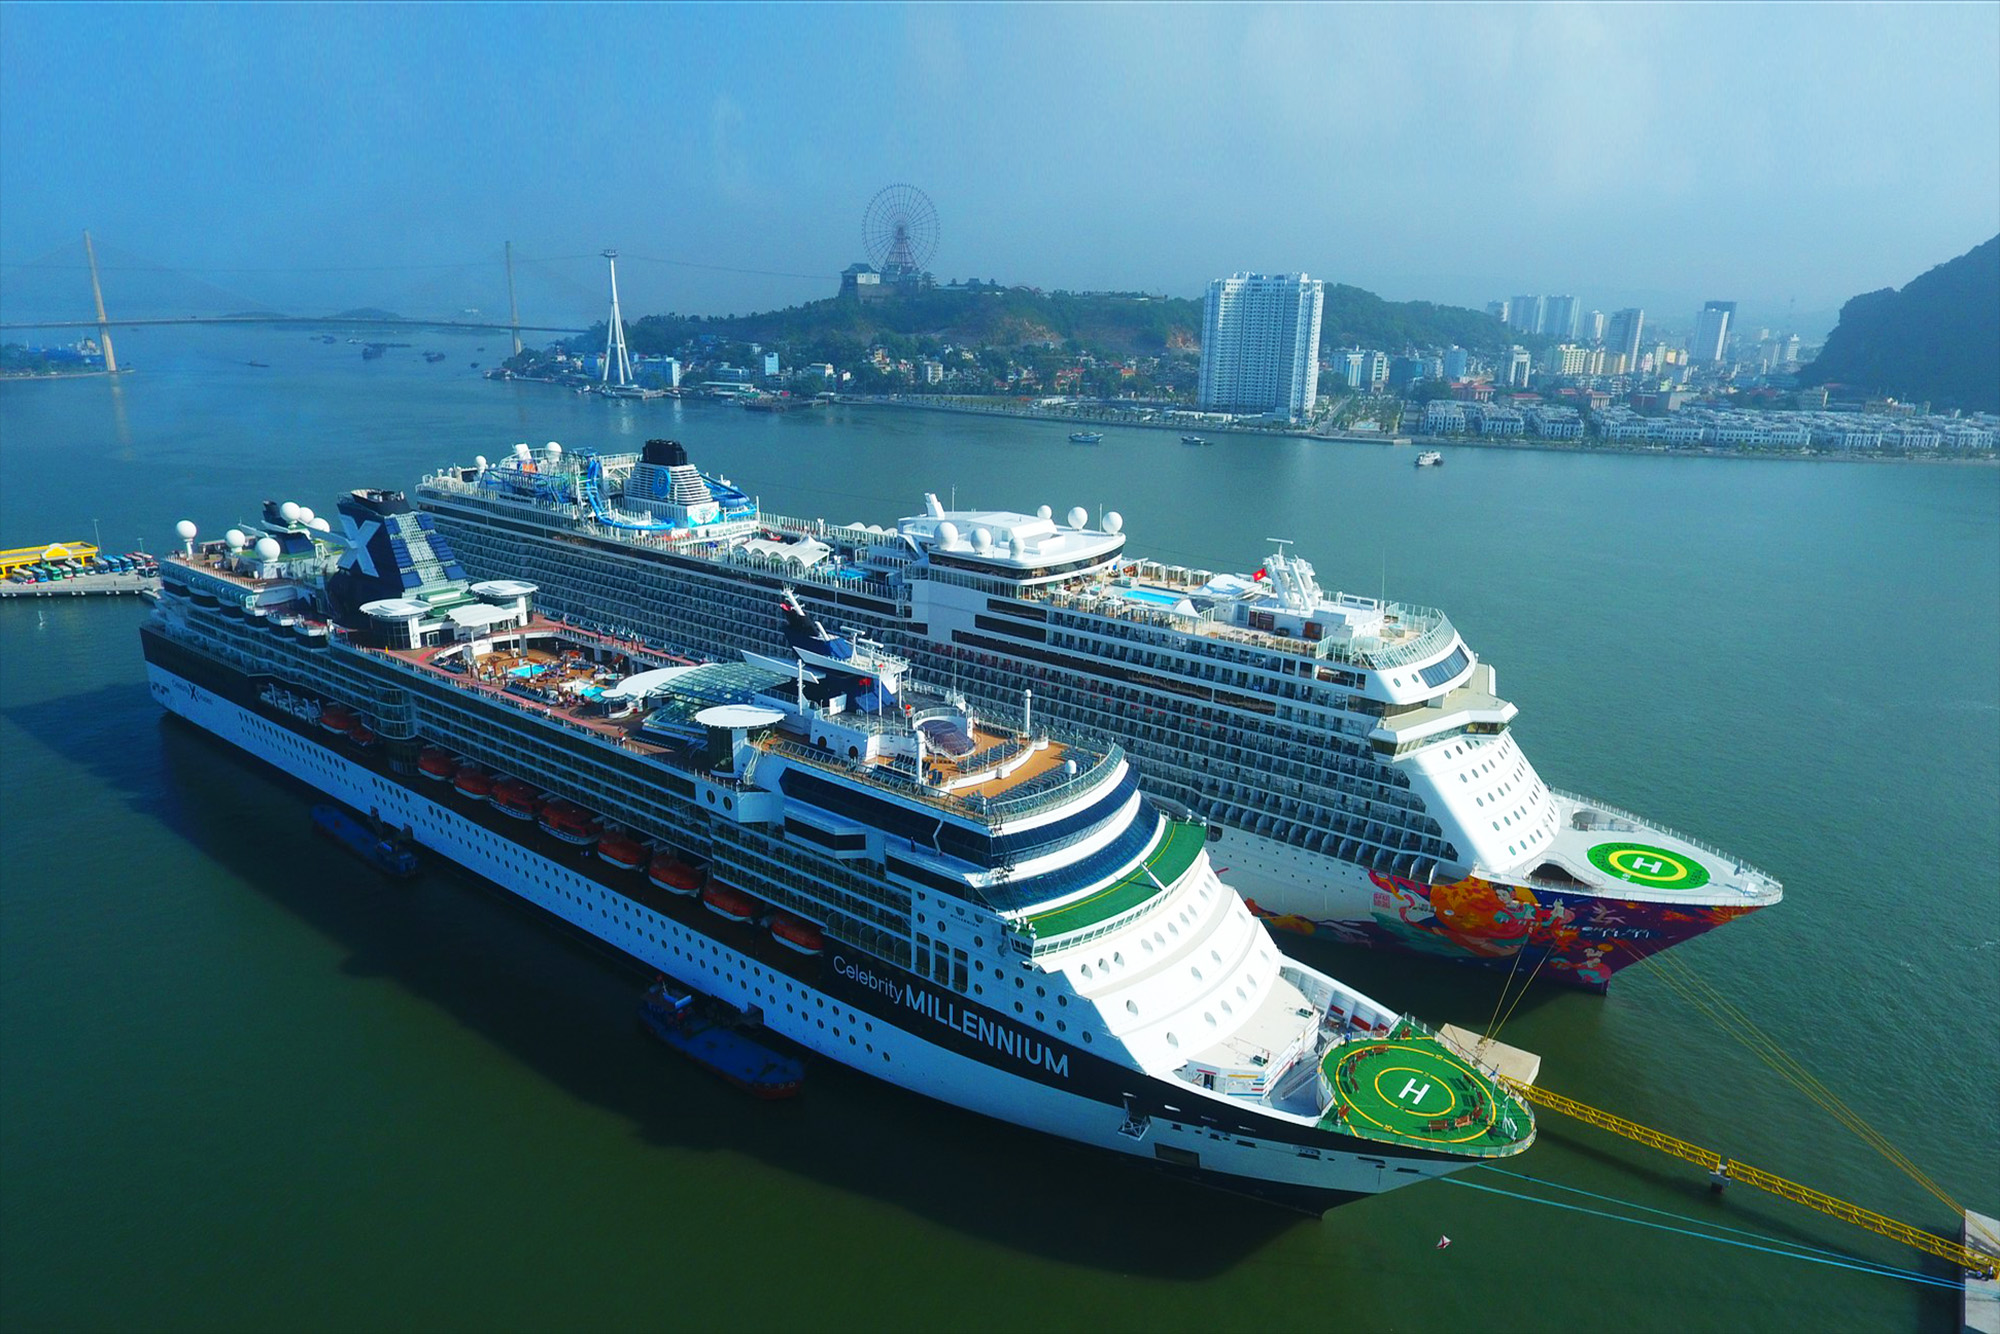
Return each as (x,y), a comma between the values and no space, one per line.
(1525,314)
(1260,344)
(1354,368)
(1568,359)
(1552,422)
(1456,361)
(1519,367)
(1375,374)
(770,363)
(1711,333)
(1622,337)
(1444,417)
(1407,371)
(933,371)
(1559,317)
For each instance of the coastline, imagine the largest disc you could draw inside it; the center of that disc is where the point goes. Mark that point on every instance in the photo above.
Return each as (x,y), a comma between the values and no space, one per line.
(1353,438)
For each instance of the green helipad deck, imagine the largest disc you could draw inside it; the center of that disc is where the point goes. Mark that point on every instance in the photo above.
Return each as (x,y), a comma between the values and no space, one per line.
(1410,1089)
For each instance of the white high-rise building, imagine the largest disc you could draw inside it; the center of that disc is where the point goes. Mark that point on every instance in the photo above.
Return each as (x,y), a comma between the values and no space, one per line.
(1711,333)
(1525,313)
(1260,344)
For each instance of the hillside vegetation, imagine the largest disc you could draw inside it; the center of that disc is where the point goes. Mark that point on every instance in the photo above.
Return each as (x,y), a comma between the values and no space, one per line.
(1109,324)
(1935,341)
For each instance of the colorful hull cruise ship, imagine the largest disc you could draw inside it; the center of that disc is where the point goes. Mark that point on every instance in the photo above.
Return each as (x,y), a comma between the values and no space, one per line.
(985,910)
(1353,756)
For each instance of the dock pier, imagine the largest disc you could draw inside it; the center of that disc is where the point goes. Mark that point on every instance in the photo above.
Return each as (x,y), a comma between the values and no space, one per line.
(85,585)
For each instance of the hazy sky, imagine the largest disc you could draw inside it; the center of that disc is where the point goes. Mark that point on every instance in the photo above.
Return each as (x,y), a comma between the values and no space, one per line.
(1458,153)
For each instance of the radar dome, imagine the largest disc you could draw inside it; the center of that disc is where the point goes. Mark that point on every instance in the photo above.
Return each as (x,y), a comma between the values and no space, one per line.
(320,525)
(1114,523)
(186,528)
(1017,548)
(305,514)
(555,449)
(479,462)
(289,511)
(1078,517)
(1045,513)
(982,540)
(947,534)
(236,538)
(267,548)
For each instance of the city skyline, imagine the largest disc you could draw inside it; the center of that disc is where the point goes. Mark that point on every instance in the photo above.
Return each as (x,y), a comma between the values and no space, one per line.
(1710,149)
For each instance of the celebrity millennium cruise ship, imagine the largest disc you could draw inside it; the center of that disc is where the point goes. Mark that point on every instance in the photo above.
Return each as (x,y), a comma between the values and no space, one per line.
(983,909)
(1352,756)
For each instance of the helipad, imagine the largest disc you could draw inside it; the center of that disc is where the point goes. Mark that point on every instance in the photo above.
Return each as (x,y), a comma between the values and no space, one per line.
(1408,1088)
(1653,867)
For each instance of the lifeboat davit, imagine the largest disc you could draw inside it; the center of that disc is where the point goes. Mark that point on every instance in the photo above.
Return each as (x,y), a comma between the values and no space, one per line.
(474,783)
(513,797)
(436,765)
(571,823)
(673,875)
(797,933)
(622,851)
(336,720)
(731,903)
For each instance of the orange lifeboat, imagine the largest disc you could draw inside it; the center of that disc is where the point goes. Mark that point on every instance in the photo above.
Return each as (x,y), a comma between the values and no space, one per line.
(672,874)
(622,851)
(474,782)
(513,797)
(436,765)
(337,720)
(726,902)
(361,736)
(571,823)
(797,933)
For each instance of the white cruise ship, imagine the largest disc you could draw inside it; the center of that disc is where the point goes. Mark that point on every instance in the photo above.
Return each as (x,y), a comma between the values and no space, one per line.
(983,910)
(1353,756)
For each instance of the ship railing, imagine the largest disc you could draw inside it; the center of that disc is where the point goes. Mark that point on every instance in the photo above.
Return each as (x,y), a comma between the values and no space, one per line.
(1591,803)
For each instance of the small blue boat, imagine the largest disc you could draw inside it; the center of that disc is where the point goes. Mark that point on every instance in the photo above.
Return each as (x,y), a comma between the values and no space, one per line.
(385,855)
(674,1017)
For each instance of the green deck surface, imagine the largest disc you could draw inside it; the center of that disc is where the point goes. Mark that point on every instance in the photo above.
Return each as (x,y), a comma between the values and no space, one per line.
(1167,862)
(1408,1088)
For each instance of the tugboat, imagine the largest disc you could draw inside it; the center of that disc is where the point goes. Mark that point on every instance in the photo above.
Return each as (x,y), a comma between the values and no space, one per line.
(672,1016)
(1085,437)
(385,855)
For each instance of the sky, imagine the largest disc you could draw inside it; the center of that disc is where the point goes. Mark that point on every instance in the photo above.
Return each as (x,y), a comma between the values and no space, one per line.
(319,157)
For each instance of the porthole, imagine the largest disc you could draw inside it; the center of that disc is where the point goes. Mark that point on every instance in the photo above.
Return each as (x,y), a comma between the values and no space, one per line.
(1086,1039)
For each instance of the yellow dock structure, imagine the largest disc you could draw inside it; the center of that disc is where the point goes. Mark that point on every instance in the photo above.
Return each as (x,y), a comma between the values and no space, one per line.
(15,557)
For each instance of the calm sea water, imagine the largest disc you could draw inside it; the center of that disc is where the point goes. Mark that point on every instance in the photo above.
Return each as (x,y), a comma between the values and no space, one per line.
(247,1087)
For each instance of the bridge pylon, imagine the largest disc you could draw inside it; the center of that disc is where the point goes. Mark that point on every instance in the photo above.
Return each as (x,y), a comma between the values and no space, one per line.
(103,324)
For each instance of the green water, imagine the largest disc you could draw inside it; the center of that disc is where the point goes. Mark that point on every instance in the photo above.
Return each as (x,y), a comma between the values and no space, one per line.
(244,1086)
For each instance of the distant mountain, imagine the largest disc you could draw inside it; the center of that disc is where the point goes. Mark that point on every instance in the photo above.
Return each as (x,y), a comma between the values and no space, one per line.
(1936,341)
(1124,324)
(365,313)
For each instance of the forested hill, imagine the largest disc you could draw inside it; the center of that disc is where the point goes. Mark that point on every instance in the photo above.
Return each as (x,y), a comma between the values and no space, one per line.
(1936,341)
(1123,325)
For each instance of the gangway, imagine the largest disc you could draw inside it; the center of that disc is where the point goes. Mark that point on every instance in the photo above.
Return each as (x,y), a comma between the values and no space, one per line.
(1723,1169)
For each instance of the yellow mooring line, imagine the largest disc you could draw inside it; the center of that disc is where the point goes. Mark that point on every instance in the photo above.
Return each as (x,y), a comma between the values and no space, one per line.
(1972,1261)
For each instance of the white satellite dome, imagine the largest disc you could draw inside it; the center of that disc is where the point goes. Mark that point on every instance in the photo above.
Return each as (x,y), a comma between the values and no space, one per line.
(947,534)
(982,540)
(555,449)
(1045,513)
(479,461)
(267,548)
(305,514)
(320,525)
(1017,548)
(236,538)
(1078,517)
(1114,523)
(289,511)
(186,528)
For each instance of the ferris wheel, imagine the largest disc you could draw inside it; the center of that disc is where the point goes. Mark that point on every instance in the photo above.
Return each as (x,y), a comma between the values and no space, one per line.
(900,230)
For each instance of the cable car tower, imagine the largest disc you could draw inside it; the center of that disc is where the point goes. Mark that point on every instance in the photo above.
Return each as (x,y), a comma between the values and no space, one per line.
(614,337)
